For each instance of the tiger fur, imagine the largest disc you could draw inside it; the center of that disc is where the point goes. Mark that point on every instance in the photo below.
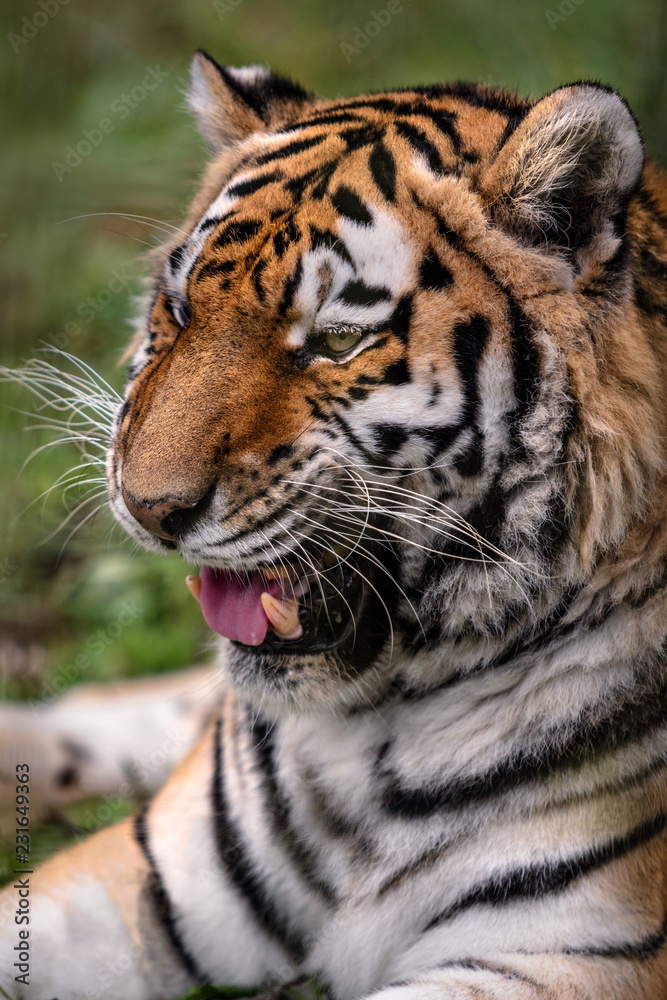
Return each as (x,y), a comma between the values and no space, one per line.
(412,346)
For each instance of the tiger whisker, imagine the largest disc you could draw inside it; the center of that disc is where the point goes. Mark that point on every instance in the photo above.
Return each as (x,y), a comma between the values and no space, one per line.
(278,559)
(371,558)
(394,488)
(483,559)
(60,481)
(462,526)
(342,510)
(450,512)
(76,408)
(88,370)
(396,469)
(130,217)
(318,575)
(72,514)
(76,429)
(314,569)
(87,518)
(91,460)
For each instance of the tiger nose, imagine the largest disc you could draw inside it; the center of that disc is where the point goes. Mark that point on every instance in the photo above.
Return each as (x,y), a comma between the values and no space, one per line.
(169,517)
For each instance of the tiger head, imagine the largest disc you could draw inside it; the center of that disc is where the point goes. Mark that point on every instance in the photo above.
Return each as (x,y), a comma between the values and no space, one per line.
(393,393)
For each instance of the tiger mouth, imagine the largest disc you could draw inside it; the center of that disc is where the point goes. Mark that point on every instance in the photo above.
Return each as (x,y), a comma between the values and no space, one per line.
(285,610)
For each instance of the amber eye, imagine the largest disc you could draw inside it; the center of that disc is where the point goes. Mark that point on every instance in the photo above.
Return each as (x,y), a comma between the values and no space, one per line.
(339,341)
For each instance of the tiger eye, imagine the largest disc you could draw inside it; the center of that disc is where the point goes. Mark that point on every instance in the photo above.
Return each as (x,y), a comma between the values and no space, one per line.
(340,340)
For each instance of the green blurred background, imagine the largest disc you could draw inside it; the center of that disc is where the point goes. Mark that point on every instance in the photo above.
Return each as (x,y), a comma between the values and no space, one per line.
(64,67)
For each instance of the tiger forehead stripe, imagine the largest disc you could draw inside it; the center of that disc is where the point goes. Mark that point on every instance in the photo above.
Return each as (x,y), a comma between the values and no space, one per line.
(409,423)
(364,134)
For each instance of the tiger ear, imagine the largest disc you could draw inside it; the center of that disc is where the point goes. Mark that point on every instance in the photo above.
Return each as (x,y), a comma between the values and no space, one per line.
(568,168)
(231,102)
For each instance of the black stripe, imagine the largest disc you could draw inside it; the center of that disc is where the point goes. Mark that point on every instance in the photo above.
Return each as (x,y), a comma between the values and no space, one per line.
(650,280)
(454,239)
(353,438)
(654,587)
(244,188)
(440,117)
(161,900)
(383,171)
(240,870)
(421,143)
(596,729)
(238,232)
(525,361)
(470,460)
(284,238)
(643,949)
(478,96)
(287,505)
(440,437)
(487,518)
(433,273)
(356,293)
(333,116)
(349,204)
(534,881)
(358,138)
(529,640)
(326,173)
(176,258)
(215,220)
(469,338)
(256,275)
(325,238)
(263,92)
(456,242)
(318,177)
(291,149)
(291,286)
(296,186)
(397,373)
(554,528)
(444,121)
(389,438)
(399,321)
(477,965)
(337,826)
(515,118)
(214,267)
(278,810)
(649,201)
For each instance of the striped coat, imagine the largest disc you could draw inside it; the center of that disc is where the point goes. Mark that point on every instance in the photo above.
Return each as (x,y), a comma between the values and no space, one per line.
(404,377)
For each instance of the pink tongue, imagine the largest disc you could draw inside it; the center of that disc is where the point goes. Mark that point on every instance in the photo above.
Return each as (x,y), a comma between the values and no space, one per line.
(231,603)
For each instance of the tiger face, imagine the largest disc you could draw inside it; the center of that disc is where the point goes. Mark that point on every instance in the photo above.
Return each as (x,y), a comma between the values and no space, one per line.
(367,396)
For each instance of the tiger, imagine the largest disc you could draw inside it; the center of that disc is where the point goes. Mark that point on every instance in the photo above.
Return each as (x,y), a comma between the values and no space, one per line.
(398,391)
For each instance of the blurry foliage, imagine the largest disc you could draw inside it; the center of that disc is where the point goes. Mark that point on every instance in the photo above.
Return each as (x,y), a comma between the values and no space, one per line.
(57,259)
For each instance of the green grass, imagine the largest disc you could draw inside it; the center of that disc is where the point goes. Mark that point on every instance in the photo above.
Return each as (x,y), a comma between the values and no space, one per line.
(65,80)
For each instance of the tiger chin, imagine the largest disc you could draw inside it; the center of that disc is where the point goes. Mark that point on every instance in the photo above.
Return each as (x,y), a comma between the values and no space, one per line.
(399,393)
